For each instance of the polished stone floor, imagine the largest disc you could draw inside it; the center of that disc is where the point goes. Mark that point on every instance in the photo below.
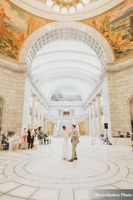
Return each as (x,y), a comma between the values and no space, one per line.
(41,174)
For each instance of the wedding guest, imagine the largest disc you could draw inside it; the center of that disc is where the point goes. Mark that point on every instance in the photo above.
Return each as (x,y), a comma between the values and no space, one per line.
(32,137)
(29,138)
(36,141)
(24,139)
(128,135)
(120,134)
(15,141)
(4,142)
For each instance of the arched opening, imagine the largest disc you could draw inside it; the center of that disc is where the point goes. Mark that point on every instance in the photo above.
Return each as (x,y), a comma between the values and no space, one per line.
(1,112)
(131,112)
(68,56)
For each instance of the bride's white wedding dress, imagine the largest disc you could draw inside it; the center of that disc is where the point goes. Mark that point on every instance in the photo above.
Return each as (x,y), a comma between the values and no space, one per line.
(65,148)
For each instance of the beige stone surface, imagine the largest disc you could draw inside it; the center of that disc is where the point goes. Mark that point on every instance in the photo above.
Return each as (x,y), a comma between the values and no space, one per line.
(42,174)
(120,91)
(12,91)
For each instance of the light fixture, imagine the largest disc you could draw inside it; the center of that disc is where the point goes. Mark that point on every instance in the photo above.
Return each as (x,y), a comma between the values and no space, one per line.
(64,10)
(56,8)
(66,6)
(49,3)
(86,1)
(79,6)
(72,10)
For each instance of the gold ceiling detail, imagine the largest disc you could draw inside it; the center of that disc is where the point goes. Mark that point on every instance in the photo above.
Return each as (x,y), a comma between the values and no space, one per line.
(66,6)
(67,3)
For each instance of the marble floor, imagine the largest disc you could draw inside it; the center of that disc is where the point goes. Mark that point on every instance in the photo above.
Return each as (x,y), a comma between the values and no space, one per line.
(41,174)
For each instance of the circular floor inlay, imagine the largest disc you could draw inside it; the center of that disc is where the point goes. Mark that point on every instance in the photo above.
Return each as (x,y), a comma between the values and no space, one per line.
(57,168)
(45,167)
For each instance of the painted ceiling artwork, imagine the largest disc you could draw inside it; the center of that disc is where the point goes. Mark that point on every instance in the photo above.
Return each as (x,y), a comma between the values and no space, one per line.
(66,93)
(116,26)
(15,26)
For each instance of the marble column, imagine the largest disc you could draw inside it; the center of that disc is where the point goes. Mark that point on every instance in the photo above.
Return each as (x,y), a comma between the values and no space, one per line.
(99,116)
(41,116)
(106,109)
(90,120)
(26,104)
(33,118)
(94,125)
(38,113)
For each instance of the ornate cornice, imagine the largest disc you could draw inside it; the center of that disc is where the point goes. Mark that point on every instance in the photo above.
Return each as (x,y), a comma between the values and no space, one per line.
(92,9)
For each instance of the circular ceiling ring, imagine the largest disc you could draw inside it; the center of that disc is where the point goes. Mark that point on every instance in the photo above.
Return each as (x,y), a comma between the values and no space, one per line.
(91,9)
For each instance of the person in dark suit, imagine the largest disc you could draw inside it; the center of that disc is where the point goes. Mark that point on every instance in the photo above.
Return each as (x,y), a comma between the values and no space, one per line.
(32,137)
(29,138)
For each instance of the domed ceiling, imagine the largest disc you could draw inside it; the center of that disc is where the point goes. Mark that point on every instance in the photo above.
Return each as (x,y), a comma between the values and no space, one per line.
(68,64)
(66,9)
(53,62)
(16,24)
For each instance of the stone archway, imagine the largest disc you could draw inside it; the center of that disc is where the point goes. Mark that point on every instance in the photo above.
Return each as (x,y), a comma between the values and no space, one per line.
(52,31)
(131,112)
(75,31)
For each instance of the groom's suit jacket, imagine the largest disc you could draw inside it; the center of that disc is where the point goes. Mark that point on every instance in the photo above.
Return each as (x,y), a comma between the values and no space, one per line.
(74,137)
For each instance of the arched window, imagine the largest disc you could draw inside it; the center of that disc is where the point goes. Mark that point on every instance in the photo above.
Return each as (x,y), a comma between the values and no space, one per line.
(1,111)
(131,112)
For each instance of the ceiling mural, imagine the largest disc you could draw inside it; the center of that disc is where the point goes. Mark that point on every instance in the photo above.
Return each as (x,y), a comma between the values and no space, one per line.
(66,93)
(15,26)
(116,26)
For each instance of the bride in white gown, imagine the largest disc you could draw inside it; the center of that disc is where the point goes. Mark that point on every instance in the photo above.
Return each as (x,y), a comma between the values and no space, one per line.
(65,149)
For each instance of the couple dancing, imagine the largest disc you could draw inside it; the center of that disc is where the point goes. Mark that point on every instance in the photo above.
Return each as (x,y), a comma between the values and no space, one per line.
(74,141)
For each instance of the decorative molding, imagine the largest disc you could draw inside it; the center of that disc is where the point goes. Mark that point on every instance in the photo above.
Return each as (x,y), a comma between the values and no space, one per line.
(75,31)
(68,30)
(92,9)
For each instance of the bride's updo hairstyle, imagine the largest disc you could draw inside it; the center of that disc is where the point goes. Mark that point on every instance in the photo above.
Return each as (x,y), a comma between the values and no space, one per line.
(74,126)
(63,127)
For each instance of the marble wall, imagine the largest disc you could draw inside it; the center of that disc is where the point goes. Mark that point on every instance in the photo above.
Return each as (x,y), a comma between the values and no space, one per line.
(120,84)
(12,91)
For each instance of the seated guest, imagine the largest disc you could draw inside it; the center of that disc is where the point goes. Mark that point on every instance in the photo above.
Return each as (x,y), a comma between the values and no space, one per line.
(4,142)
(46,139)
(132,139)
(128,135)
(120,135)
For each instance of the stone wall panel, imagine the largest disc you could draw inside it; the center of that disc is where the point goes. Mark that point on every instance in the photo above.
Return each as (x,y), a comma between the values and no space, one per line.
(12,90)
(120,90)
